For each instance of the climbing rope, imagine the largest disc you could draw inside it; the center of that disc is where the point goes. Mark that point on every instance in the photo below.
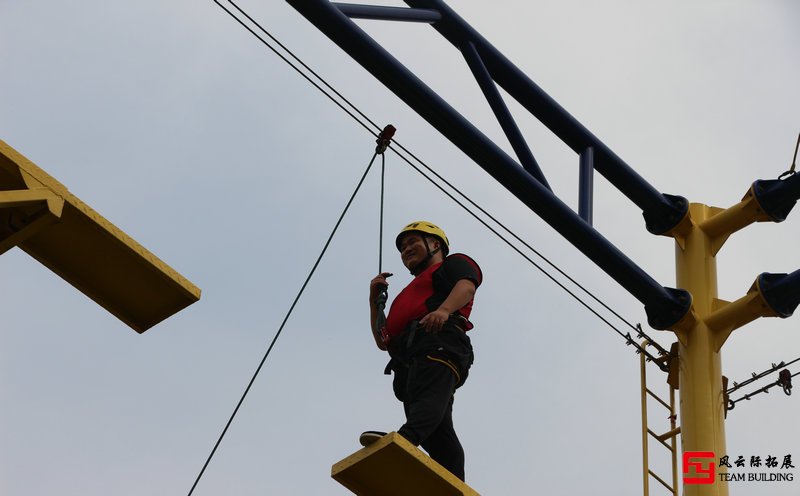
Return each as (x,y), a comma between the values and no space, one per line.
(283,324)
(380,224)
(383,141)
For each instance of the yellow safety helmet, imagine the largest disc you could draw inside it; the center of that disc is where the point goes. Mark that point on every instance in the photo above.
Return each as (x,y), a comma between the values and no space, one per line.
(427,229)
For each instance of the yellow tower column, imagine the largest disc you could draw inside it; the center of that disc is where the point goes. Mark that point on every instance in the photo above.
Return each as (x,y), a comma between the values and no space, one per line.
(703,332)
(701,396)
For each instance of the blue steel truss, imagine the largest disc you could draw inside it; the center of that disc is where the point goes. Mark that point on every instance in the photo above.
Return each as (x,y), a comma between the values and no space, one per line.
(664,306)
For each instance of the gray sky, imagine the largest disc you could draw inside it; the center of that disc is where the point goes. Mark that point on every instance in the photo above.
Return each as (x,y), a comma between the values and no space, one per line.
(179,127)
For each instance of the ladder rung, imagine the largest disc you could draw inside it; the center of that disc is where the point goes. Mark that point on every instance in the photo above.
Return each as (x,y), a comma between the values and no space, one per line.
(659,479)
(666,405)
(657,438)
(674,432)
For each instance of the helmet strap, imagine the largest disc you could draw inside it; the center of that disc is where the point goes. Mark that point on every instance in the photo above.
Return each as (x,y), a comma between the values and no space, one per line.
(417,269)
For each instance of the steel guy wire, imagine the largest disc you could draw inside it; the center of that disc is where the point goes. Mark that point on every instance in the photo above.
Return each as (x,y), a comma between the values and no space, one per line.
(785,382)
(636,328)
(282,57)
(732,403)
(627,336)
(420,161)
(299,61)
(756,377)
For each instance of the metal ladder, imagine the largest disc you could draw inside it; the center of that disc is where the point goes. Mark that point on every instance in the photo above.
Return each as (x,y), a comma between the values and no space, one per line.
(669,438)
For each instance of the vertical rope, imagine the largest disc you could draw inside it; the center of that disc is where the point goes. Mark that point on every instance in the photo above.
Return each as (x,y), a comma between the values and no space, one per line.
(380,229)
(383,142)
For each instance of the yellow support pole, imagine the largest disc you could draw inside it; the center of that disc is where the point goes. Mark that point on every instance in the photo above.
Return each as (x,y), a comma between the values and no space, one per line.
(701,405)
(702,333)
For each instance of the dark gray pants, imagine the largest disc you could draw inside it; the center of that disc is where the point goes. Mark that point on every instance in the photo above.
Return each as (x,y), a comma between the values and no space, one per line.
(426,389)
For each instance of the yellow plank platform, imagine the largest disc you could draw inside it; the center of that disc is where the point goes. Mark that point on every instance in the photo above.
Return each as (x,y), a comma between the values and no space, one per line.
(40,216)
(394,467)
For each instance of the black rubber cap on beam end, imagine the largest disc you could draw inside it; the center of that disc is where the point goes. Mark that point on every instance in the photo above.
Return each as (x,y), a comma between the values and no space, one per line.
(779,293)
(666,314)
(667,215)
(776,197)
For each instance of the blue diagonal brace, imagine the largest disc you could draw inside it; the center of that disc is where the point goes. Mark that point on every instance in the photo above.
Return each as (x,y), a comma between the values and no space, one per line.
(661,212)
(502,113)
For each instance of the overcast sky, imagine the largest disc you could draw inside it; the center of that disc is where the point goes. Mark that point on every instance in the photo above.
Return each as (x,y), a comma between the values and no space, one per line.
(178,126)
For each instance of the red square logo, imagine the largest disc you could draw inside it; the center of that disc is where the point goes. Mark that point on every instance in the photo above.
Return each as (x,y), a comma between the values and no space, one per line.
(693,459)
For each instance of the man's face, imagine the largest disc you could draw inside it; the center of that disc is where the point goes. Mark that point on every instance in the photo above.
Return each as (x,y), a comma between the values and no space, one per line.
(413,251)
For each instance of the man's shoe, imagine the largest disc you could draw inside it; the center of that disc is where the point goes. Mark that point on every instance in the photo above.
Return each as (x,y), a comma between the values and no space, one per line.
(369,437)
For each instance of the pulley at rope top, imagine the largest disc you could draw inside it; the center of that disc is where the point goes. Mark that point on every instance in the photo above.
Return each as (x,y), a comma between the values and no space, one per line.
(384,139)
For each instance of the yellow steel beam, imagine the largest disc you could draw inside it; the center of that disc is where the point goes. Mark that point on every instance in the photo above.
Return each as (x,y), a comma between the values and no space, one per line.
(729,316)
(33,220)
(40,216)
(25,197)
(392,466)
(722,223)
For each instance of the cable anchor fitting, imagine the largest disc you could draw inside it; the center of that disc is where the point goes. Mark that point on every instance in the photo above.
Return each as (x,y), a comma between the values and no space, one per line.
(785,381)
(384,139)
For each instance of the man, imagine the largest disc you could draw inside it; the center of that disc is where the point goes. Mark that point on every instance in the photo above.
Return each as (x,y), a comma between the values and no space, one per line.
(425,335)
